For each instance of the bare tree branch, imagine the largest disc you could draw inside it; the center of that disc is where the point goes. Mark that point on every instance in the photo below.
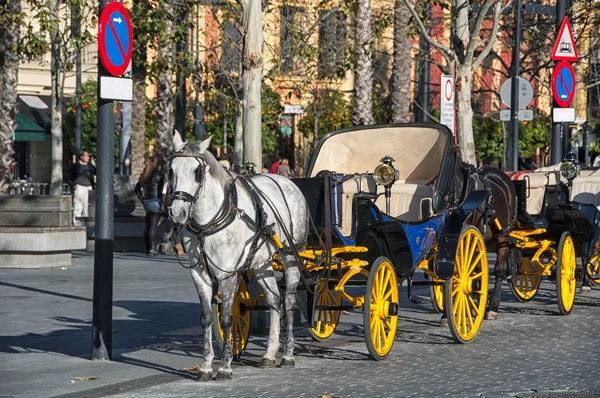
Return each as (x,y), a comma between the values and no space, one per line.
(491,38)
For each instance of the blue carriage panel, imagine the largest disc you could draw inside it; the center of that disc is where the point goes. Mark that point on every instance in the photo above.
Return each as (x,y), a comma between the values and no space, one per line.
(422,236)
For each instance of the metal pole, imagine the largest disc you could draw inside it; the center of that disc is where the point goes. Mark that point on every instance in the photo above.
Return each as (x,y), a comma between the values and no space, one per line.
(513,141)
(103,253)
(556,154)
(423,94)
(76,27)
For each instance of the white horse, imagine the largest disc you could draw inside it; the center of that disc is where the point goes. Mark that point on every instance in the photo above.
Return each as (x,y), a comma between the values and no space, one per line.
(220,234)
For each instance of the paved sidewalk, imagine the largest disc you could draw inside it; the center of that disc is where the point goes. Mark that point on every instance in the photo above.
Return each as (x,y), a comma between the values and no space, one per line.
(45,344)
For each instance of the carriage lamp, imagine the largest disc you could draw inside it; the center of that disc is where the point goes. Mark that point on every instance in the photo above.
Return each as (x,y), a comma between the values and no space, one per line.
(249,169)
(385,174)
(568,168)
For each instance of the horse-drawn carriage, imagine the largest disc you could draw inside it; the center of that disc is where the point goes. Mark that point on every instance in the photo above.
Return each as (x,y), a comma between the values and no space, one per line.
(549,234)
(378,203)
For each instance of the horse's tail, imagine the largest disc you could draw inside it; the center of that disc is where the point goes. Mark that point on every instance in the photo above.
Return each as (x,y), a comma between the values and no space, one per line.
(503,195)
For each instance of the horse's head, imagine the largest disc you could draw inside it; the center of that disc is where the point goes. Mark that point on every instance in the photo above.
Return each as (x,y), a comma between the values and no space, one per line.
(186,176)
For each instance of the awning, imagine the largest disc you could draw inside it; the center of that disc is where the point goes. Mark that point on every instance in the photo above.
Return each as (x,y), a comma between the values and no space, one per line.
(28,130)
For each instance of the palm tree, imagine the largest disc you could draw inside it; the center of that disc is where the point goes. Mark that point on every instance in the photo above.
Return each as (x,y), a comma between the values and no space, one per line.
(8,101)
(164,89)
(363,74)
(400,82)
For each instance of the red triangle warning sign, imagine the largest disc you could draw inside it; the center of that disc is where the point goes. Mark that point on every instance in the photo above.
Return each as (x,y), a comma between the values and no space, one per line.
(564,48)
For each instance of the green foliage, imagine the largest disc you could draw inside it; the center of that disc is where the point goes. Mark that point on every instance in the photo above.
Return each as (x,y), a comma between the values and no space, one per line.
(534,134)
(382,106)
(487,134)
(488,137)
(332,112)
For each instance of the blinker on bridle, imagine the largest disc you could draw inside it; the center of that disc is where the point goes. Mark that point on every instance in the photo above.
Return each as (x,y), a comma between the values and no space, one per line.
(199,175)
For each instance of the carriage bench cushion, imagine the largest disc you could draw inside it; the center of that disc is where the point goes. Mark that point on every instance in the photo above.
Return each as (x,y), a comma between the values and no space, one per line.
(537,183)
(405,202)
(586,190)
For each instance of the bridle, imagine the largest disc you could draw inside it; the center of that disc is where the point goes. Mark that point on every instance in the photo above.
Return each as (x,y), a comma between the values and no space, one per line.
(200,176)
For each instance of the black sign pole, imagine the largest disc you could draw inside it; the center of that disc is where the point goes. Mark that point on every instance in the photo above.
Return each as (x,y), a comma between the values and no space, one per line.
(556,154)
(103,253)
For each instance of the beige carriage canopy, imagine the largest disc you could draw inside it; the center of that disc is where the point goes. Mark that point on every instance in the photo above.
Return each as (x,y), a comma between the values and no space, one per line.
(418,150)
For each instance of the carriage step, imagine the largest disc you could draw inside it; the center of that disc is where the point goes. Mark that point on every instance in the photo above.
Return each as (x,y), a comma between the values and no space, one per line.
(427,283)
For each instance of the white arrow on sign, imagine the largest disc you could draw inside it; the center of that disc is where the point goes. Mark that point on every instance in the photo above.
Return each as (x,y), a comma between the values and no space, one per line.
(117,20)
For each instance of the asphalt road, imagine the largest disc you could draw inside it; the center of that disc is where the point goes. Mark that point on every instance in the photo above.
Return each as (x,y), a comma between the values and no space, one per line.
(45,339)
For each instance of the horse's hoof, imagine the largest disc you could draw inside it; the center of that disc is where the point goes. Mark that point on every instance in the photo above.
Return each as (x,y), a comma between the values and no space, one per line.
(444,322)
(204,376)
(585,289)
(224,375)
(267,363)
(288,363)
(491,315)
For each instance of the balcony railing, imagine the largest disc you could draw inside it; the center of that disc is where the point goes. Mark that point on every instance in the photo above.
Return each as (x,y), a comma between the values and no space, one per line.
(34,188)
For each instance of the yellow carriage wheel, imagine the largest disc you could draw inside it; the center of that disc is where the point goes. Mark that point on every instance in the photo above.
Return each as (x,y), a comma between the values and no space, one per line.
(466,292)
(381,308)
(565,274)
(525,284)
(325,320)
(592,269)
(240,328)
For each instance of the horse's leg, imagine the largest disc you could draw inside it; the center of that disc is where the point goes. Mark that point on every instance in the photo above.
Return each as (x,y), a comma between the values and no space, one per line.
(227,288)
(267,281)
(586,286)
(292,277)
(204,288)
(500,269)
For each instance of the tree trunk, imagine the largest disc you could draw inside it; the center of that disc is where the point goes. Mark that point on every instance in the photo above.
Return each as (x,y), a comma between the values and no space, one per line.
(464,113)
(251,81)
(56,106)
(363,74)
(400,81)
(8,100)
(138,105)
(164,96)
(238,145)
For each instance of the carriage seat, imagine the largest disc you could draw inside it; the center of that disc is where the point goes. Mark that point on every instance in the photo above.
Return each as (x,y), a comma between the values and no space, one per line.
(405,202)
(586,190)
(537,188)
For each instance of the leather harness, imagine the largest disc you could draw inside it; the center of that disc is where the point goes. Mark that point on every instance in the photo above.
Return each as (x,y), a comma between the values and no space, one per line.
(228,211)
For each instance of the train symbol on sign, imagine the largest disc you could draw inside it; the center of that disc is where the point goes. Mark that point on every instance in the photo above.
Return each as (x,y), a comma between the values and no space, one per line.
(565,47)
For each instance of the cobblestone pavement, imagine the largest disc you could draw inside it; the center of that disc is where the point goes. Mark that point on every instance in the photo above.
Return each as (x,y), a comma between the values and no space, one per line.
(530,351)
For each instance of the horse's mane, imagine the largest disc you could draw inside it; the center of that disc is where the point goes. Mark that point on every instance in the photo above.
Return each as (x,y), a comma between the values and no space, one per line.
(216,170)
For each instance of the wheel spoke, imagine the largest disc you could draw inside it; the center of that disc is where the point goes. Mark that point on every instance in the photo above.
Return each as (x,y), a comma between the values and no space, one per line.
(474,306)
(474,264)
(470,263)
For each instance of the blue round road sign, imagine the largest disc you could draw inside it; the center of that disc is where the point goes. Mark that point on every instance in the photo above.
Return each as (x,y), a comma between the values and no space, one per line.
(115,38)
(563,84)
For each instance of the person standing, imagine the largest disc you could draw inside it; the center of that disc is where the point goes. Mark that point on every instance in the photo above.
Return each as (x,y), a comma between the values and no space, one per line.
(82,176)
(275,166)
(284,168)
(149,190)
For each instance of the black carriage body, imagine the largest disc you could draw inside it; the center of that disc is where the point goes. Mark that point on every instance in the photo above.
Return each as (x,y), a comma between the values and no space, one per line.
(454,202)
(557,215)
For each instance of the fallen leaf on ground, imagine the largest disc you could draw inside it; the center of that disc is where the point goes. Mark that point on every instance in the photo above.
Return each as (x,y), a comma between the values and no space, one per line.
(197,367)
(82,378)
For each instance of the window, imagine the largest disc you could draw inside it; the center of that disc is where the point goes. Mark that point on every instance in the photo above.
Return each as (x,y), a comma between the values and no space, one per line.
(231,49)
(286,37)
(89,54)
(332,40)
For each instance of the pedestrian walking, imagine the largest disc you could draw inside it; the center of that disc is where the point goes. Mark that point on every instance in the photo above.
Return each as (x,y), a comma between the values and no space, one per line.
(82,177)
(149,190)
(284,168)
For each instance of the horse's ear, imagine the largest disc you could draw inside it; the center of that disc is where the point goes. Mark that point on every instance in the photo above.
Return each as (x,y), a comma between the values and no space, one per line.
(178,144)
(204,144)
